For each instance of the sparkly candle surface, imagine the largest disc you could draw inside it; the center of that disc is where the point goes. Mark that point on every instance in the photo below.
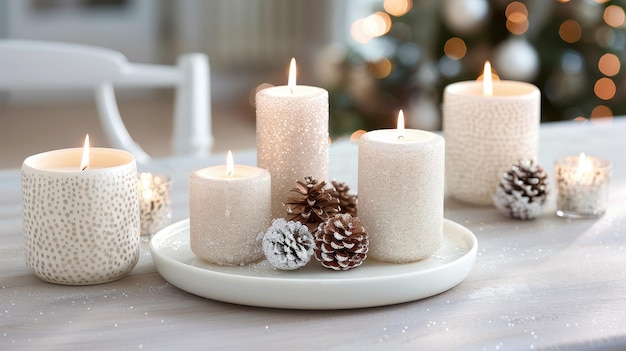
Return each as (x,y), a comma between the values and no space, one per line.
(155,202)
(401,193)
(80,227)
(583,187)
(227,213)
(486,134)
(292,137)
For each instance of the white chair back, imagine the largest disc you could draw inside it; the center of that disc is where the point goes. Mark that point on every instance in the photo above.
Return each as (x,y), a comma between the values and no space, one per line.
(48,65)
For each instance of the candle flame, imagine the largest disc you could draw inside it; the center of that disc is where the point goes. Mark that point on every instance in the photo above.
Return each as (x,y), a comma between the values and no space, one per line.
(583,163)
(291,82)
(487,80)
(84,163)
(230,164)
(400,125)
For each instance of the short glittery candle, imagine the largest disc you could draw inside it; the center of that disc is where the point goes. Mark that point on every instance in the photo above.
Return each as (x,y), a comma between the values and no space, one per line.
(485,134)
(292,137)
(80,226)
(583,186)
(228,212)
(401,193)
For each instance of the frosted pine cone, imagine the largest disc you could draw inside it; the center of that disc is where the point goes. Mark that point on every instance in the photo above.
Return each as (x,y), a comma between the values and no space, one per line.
(312,204)
(347,202)
(341,242)
(522,190)
(288,245)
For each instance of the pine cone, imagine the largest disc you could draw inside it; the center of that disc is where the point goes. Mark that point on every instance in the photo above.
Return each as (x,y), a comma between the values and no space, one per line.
(522,190)
(288,245)
(347,202)
(312,205)
(341,242)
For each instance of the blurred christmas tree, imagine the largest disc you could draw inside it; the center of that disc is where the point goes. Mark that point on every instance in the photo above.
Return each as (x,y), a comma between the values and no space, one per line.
(409,51)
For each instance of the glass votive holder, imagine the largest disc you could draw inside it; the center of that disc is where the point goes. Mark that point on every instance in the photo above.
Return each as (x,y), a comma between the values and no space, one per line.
(582,185)
(155,202)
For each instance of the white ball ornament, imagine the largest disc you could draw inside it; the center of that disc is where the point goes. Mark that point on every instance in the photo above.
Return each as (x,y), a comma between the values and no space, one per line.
(465,16)
(516,59)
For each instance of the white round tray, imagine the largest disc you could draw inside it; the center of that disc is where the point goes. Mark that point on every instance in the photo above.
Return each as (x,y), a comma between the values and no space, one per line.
(314,287)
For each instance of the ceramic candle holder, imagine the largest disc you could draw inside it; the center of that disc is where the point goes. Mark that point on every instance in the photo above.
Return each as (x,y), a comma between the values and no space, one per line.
(80,227)
(486,134)
(583,190)
(155,202)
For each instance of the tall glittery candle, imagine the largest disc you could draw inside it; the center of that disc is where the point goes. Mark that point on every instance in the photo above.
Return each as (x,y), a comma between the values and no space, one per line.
(488,127)
(292,136)
(401,180)
(228,207)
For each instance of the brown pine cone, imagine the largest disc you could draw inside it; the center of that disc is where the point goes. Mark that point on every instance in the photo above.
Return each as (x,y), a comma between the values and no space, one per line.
(341,242)
(522,190)
(312,204)
(347,202)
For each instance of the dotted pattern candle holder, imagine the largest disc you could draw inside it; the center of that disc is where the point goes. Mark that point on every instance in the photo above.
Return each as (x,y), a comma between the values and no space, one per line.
(155,202)
(582,191)
(80,227)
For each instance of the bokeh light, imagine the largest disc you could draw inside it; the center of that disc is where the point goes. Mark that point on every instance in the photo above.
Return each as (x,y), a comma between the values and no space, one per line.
(516,18)
(605,88)
(455,48)
(601,112)
(358,32)
(614,16)
(357,135)
(570,31)
(397,7)
(381,68)
(377,24)
(609,64)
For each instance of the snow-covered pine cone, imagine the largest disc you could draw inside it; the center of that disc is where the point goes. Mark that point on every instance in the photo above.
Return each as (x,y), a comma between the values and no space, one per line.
(341,242)
(522,190)
(288,245)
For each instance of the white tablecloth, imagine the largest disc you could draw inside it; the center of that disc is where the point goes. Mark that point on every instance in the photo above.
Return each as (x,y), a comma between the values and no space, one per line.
(549,283)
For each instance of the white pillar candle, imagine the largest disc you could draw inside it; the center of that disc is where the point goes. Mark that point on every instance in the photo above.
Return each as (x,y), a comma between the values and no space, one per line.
(583,186)
(80,226)
(292,136)
(228,207)
(486,132)
(401,180)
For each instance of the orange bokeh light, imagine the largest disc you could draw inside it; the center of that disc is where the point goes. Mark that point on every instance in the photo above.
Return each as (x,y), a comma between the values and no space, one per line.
(614,16)
(570,31)
(609,64)
(455,48)
(397,7)
(604,88)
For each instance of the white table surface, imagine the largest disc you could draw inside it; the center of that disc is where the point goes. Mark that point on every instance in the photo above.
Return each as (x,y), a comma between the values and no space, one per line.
(542,284)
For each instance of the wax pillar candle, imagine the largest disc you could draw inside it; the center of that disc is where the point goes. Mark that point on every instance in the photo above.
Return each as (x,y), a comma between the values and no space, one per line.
(486,133)
(80,226)
(228,208)
(401,180)
(583,186)
(292,136)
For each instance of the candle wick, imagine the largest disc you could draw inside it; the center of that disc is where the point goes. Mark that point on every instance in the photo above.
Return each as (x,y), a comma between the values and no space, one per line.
(229,173)
(85,167)
(291,89)
(400,137)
